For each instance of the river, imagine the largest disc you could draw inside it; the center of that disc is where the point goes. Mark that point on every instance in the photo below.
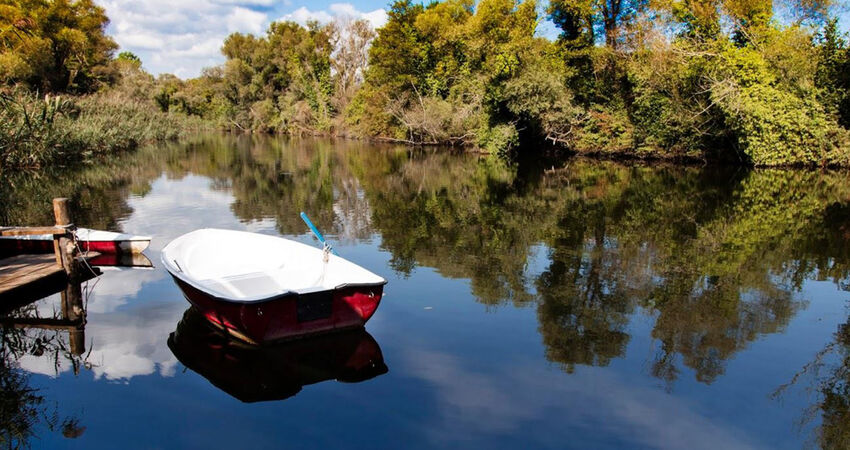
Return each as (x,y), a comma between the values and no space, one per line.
(583,304)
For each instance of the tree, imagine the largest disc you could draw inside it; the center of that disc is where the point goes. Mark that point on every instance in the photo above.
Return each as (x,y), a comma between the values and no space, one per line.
(57,45)
(833,72)
(351,40)
(129,56)
(579,20)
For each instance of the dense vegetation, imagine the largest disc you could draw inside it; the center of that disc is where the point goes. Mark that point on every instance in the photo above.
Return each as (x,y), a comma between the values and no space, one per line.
(66,98)
(697,79)
(742,81)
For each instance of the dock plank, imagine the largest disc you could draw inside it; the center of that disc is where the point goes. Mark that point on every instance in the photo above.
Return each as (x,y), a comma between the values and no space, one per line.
(37,273)
(21,270)
(26,231)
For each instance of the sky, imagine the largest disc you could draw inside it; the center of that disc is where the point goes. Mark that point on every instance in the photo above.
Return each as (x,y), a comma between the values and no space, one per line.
(184,36)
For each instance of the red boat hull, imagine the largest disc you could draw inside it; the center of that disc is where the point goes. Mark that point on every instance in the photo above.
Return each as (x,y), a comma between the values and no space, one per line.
(32,246)
(288,316)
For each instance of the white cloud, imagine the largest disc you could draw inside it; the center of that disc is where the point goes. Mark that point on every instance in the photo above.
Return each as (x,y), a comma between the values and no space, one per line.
(241,19)
(183,37)
(145,41)
(377,18)
(247,2)
(302,15)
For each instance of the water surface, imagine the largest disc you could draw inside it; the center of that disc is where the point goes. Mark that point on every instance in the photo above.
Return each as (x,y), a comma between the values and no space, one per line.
(586,304)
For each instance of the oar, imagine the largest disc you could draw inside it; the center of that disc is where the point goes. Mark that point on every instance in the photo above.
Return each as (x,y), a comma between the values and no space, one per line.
(316,232)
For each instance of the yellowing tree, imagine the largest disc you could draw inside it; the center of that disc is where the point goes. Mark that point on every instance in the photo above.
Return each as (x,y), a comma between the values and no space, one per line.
(56,45)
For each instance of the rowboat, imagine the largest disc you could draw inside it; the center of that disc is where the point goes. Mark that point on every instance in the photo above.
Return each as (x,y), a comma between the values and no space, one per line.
(273,372)
(104,242)
(262,288)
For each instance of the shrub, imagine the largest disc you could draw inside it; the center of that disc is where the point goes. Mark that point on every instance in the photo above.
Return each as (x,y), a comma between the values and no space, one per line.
(36,131)
(774,127)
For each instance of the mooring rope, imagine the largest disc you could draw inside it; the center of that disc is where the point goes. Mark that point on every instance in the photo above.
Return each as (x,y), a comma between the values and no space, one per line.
(87,290)
(85,254)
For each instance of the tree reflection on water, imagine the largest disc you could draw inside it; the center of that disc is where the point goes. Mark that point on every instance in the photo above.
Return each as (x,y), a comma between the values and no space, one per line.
(834,391)
(24,409)
(714,257)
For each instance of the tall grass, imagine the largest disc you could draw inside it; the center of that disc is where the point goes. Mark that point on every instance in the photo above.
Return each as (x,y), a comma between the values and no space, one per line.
(29,134)
(38,131)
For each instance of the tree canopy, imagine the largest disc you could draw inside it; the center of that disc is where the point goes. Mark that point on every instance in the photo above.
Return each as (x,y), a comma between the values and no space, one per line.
(54,45)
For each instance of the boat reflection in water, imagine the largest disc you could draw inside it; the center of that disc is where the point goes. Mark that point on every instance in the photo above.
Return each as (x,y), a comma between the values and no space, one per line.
(124,260)
(253,373)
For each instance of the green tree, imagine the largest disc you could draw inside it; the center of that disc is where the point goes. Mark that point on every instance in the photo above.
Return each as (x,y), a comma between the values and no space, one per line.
(130,57)
(55,46)
(833,72)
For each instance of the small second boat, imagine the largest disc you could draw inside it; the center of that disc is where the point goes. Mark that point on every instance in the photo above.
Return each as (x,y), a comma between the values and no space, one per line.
(104,242)
(262,288)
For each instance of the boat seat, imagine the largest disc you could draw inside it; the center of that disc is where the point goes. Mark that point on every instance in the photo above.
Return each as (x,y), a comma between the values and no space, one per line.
(244,285)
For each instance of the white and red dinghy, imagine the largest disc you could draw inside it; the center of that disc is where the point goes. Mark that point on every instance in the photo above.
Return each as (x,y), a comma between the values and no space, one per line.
(264,288)
(105,242)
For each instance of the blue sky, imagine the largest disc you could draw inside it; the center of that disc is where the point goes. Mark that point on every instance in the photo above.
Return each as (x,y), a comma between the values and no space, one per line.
(184,36)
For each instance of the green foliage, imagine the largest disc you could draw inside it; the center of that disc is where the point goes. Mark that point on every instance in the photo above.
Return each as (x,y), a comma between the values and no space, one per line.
(579,20)
(54,45)
(280,82)
(575,19)
(757,104)
(439,74)
(37,132)
(498,139)
(59,46)
(833,72)
(603,130)
(775,128)
(29,134)
(130,57)
(459,72)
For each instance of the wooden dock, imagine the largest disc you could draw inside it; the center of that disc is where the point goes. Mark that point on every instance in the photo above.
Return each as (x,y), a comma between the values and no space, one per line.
(24,278)
(27,278)
(22,270)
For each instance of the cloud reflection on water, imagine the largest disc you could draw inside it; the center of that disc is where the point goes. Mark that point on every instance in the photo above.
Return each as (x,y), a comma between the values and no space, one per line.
(511,398)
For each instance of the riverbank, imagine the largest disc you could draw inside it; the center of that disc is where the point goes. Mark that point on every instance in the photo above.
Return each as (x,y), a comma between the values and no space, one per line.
(757,94)
(38,131)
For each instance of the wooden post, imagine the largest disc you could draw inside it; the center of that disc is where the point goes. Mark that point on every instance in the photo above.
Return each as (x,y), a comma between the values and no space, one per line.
(72,296)
(72,310)
(63,245)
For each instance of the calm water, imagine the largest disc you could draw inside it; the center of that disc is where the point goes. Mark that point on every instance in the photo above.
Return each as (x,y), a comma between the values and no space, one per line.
(598,305)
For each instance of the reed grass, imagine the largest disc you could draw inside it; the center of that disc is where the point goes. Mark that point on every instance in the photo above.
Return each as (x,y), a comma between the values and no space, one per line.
(38,131)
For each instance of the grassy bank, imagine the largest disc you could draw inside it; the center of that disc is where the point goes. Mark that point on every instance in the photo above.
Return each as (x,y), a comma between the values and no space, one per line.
(38,131)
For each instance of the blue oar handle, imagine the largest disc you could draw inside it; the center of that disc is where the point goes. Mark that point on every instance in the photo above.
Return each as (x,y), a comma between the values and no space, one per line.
(316,231)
